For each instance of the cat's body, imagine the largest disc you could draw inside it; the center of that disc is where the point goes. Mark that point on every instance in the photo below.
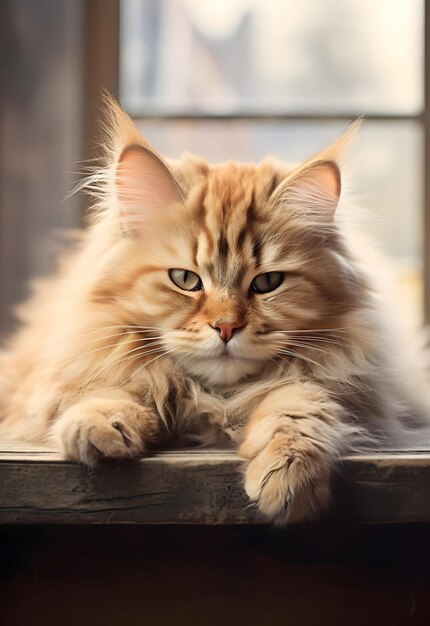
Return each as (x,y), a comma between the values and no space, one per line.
(205,302)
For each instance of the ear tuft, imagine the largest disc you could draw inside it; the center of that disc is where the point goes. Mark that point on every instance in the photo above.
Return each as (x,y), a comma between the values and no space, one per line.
(118,128)
(336,150)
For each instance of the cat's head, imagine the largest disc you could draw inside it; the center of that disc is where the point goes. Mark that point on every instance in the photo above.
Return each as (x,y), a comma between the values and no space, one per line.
(227,267)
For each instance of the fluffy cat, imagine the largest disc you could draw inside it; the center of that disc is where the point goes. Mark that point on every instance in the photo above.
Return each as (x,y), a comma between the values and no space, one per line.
(210,301)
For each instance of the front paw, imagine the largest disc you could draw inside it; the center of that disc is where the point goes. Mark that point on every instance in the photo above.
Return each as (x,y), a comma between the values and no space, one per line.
(289,482)
(104,428)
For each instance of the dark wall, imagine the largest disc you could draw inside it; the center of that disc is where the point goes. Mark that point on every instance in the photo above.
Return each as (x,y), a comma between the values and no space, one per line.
(41,136)
(55,57)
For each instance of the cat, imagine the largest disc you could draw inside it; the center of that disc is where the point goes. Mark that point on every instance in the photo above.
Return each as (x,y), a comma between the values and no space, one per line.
(208,303)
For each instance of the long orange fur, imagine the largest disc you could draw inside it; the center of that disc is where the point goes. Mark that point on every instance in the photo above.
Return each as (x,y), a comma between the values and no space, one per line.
(113,358)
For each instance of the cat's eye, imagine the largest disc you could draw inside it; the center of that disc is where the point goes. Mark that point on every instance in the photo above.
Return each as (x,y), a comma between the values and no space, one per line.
(263,283)
(184,279)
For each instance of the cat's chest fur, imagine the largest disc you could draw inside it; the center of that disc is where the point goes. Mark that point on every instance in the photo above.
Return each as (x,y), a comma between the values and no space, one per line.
(191,405)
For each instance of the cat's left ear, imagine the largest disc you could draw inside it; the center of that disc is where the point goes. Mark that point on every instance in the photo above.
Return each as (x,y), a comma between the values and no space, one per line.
(146,188)
(313,192)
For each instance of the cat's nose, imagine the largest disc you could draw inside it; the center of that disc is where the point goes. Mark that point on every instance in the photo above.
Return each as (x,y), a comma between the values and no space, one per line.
(226,329)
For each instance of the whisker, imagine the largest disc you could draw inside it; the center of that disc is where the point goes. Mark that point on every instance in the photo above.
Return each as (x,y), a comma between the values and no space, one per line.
(181,360)
(124,334)
(311,330)
(112,345)
(309,346)
(131,354)
(136,327)
(270,357)
(309,338)
(301,357)
(323,340)
(142,367)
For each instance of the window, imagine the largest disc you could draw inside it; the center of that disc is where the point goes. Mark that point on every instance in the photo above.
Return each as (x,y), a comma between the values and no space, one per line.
(245,79)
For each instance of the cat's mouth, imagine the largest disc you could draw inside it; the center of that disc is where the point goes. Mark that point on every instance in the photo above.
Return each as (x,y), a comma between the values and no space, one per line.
(227,356)
(224,356)
(226,353)
(223,364)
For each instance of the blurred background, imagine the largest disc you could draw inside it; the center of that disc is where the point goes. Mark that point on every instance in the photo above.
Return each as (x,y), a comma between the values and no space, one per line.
(228,79)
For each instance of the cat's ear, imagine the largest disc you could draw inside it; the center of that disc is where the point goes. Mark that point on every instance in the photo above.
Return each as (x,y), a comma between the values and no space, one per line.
(143,183)
(313,190)
(146,188)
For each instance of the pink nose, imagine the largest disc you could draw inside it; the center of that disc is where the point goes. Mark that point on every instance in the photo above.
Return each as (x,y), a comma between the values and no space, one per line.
(226,329)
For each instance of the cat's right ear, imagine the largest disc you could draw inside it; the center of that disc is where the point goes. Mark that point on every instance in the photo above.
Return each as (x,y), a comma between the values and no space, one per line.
(313,189)
(145,188)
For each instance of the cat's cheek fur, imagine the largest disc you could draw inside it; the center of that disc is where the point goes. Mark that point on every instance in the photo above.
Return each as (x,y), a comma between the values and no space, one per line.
(292,441)
(99,428)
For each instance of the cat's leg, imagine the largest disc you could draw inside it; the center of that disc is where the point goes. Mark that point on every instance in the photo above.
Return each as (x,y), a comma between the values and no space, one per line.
(291,442)
(104,424)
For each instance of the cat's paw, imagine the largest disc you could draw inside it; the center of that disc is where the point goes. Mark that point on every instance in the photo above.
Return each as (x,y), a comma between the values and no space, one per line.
(104,428)
(288,482)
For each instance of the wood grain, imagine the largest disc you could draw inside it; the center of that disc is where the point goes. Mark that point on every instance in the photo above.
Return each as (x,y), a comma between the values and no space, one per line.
(37,486)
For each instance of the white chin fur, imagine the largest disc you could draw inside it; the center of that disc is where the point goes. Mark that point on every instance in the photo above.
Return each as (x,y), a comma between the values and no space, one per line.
(219,371)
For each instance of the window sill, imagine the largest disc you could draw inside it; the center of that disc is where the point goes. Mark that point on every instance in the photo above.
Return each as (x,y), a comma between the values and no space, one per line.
(37,486)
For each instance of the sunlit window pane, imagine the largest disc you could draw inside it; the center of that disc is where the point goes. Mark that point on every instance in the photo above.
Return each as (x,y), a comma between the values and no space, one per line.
(288,56)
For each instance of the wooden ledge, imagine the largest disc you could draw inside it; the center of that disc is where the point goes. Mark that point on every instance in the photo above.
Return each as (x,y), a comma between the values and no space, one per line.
(37,486)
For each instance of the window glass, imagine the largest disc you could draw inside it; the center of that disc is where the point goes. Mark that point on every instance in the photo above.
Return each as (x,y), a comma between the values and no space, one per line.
(225,56)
